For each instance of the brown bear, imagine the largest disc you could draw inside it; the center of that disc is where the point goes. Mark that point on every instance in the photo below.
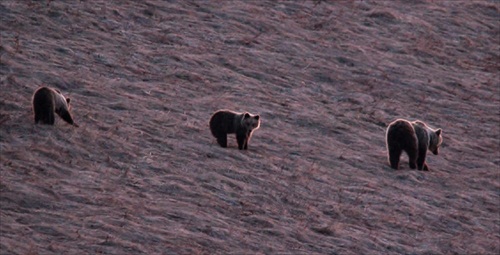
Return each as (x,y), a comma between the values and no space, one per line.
(414,138)
(225,122)
(46,102)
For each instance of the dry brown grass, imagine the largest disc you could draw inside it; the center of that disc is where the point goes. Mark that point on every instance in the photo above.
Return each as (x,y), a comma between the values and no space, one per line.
(142,174)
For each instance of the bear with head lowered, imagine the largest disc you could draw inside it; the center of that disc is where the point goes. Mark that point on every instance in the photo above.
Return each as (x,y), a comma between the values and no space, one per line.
(415,138)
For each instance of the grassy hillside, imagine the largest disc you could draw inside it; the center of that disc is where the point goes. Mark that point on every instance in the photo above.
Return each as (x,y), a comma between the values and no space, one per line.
(143,175)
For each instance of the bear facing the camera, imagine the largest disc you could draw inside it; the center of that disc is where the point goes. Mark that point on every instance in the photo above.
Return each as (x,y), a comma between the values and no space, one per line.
(225,122)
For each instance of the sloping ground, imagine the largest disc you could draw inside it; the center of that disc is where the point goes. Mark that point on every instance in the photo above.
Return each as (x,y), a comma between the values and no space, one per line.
(143,175)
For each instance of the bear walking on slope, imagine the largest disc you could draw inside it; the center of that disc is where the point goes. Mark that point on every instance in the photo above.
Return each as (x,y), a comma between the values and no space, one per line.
(46,102)
(414,138)
(225,122)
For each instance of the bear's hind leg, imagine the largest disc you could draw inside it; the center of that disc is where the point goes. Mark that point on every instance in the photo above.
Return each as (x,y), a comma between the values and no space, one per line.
(37,117)
(394,155)
(45,117)
(51,118)
(412,157)
(222,140)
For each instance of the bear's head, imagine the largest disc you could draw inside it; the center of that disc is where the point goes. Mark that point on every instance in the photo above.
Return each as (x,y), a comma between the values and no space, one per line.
(63,107)
(250,121)
(61,100)
(436,140)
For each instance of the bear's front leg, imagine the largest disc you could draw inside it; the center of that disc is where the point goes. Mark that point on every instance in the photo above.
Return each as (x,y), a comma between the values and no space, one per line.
(245,146)
(426,168)
(421,159)
(240,138)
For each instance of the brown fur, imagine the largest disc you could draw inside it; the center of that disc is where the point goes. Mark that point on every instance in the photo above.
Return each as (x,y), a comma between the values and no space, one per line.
(414,138)
(225,122)
(46,102)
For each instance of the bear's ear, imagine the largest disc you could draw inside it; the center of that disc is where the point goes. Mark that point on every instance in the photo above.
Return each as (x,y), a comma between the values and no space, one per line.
(68,100)
(247,115)
(257,117)
(438,132)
